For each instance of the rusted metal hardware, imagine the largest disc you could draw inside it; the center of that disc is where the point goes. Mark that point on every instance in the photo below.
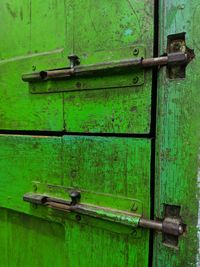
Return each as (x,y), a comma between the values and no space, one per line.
(179,58)
(176,43)
(169,225)
(74,60)
(104,213)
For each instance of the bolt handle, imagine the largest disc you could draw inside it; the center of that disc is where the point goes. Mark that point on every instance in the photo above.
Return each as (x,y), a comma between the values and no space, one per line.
(75,197)
(74,60)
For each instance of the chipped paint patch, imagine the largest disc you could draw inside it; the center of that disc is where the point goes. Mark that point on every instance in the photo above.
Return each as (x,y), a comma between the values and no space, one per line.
(128,32)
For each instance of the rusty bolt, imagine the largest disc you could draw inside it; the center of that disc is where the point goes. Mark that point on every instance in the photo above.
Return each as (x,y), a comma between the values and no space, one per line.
(135,51)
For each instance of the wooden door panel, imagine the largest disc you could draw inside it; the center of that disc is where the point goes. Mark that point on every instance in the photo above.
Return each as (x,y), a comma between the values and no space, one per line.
(30,241)
(106,170)
(41,37)
(178,139)
(99,29)
(110,165)
(102,248)
(25,159)
(33,38)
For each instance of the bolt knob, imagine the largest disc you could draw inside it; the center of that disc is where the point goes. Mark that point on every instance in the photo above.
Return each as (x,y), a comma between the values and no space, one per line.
(74,60)
(75,197)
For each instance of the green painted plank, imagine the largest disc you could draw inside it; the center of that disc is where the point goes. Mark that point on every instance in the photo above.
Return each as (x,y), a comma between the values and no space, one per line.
(19,110)
(30,241)
(49,31)
(90,246)
(109,25)
(24,159)
(106,26)
(178,141)
(117,166)
(108,110)
(31,27)
(114,166)
(33,34)
(14,15)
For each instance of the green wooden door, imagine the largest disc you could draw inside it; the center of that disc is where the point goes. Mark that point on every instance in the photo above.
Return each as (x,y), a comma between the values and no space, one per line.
(104,136)
(95,134)
(111,171)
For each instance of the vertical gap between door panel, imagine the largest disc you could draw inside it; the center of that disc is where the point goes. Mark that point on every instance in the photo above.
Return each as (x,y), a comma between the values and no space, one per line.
(153,126)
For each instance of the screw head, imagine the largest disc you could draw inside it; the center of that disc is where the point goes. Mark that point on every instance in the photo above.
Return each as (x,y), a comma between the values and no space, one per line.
(135,51)
(78,218)
(134,232)
(135,80)
(134,207)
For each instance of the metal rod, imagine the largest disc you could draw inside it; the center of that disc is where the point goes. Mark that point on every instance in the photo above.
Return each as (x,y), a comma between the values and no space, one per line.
(169,225)
(150,224)
(103,213)
(106,67)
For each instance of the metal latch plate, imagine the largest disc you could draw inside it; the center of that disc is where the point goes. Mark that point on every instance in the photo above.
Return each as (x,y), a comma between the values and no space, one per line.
(90,197)
(134,78)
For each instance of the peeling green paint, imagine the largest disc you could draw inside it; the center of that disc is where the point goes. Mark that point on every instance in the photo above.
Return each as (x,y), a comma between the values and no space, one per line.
(178,139)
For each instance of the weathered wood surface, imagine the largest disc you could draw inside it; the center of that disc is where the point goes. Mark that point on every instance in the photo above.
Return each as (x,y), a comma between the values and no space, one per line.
(39,35)
(106,165)
(178,136)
